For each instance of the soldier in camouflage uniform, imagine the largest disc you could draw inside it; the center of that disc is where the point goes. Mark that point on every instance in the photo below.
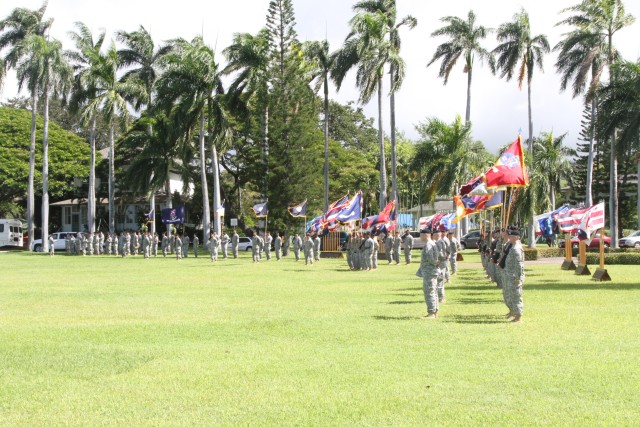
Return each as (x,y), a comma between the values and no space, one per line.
(268,239)
(146,245)
(224,242)
(235,239)
(316,247)
(308,250)
(214,244)
(388,247)
(178,243)
(442,260)
(429,272)
(196,245)
(407,244)
(374,256)
(397,242)
(447,245)
(277,246)
(164,244)
(367,251)
(297,245)
(453,258)
(514,275)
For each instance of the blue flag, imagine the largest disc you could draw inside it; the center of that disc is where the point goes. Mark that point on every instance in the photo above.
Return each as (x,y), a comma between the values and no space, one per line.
(261,210)
(352,211)
(298,211)
(173,215)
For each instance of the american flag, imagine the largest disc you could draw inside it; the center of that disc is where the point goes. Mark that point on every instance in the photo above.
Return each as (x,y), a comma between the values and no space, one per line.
(592,220)
(569,221)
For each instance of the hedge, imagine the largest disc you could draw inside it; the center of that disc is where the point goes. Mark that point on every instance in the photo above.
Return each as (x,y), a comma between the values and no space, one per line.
(537,253)
(615,259)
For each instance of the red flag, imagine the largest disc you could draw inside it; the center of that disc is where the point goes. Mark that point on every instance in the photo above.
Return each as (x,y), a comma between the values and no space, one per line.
(510,169)
(387,212)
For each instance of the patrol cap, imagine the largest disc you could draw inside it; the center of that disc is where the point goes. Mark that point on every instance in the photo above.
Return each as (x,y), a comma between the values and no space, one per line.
(426,231)
(514,232)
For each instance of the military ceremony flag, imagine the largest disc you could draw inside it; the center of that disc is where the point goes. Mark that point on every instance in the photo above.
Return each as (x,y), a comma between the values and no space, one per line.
(220,210)
(352,210)
(335,208)
(149,215)
(592,220)
(388,213)
(510,169)
(569,220)
(173,215)
(298,211)
(261,210)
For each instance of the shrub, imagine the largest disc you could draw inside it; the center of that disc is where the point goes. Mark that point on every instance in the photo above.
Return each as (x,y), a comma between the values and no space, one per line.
(615,259)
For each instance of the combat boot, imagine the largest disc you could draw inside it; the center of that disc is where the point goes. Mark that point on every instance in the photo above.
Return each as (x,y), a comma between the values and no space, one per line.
(517,319)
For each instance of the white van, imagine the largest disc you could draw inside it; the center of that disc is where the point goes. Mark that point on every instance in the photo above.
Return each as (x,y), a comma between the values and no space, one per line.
(10,232)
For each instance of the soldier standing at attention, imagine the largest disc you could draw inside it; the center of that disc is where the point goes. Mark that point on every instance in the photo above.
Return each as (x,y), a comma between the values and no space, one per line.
(397,241)
(367,251)
(268,239)
(408,245)
(255,246)
(164,244)
(224,242)
(178,247)
(185,246)
(374,256)
(286,244)
(235,239)
(260,247)
(67,244)
(277,246)
(146,245)
(52,245)
(109,242)
(514,275)
(297,245)
(447,245)
(114,243)
(214,243)
(316,247)
(347,247)
(429,272)
(442,258)
(196,245)
(453,258)
(154,244)
(308,250)
(388,246)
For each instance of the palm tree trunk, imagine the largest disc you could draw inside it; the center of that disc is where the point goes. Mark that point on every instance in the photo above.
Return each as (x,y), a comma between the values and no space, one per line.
(589,194)
(383,167)
(152,198)
(45,172)
(467,118)
(553,196)
(217,227)
(265,148)
(392,123)
(91,196)
(32,169)
(613,172)
(168,201)
(530,226)
(112,177)
(638,185)
(326,143)
(205,189)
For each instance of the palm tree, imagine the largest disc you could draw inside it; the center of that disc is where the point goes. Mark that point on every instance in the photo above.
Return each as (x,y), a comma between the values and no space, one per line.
(248,58)
(16,28)
(192,82)
(519,48)
(604,18)
(48,72)
(366,49)
(447,156)
(620,106)
(318,54)
(387,8)
(141,53)
(86,60)
(464,40)
(552,157)
(110,95)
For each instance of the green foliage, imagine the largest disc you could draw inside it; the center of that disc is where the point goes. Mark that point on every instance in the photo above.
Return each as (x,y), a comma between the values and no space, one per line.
(615,259)
(68,156)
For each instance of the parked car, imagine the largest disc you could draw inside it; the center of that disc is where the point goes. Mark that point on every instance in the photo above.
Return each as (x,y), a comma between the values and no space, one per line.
(59,240)
(244,244)
(470,240)
(595,243)
(631,241)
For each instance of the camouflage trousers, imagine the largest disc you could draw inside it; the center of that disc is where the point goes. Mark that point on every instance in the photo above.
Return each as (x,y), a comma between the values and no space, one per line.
(429,287)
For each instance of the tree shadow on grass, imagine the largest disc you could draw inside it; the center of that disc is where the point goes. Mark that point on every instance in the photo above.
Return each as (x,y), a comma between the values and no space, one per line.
(587,285)
(396,318)
(408,289)
(473,319)
(474,301)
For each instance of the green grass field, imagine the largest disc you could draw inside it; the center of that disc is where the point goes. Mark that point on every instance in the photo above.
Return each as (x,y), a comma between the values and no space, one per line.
(111,341)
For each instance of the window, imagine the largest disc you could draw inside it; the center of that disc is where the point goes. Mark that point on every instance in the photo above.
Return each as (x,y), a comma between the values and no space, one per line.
(1,228)
(67,215)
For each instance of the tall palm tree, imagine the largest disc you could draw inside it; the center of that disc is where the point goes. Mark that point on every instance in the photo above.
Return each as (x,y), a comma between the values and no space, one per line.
(86,59)
(464,40)
(387,8)
(552,157)
(16,28)
(248,58)
(519,49)
(48,72)
(318,54)
(603,19)
(366,49)
(141,54)
(192,83)
(620,106)
(110,100)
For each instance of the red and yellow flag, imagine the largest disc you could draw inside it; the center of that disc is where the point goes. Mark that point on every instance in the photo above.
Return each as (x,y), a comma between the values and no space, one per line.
(509,170)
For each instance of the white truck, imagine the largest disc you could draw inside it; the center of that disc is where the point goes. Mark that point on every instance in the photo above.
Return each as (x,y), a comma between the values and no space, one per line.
(10,232)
